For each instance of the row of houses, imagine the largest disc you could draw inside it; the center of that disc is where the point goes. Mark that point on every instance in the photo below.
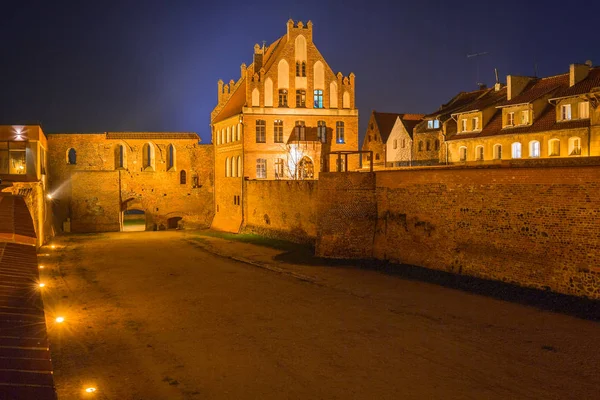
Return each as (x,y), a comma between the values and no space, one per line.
(526,118)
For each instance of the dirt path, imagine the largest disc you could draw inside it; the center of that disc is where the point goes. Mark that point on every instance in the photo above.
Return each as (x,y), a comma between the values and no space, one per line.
(152,316)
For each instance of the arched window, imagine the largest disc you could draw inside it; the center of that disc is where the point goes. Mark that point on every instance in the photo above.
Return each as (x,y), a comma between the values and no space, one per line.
(534,149)
(427,145)
(170,157)
(437,144)
(283,75)
(71,156)
(239,132)
(479,153)
(227,172)
(148,156)
(462,152)
(255,98)
(497,151)
(268,93)
(554,148)
(300,49)
(420,147)
(120,161)
(233,167)
(516,150)
(574,146)
(239,166)
(182,177)
(333,95)
(318,76)
(233,137)
(346,100)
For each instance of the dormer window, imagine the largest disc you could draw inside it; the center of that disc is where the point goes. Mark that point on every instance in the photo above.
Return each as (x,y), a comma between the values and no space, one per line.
(463,125)
(565,112)
(433,124)
(584,110)
(510,119)
(524,117)
(475,123)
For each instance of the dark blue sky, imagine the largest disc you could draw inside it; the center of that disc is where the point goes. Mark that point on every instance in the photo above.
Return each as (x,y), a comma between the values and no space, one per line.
(94,66)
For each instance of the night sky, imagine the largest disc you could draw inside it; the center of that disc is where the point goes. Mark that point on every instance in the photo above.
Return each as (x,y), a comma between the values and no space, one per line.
(95,66)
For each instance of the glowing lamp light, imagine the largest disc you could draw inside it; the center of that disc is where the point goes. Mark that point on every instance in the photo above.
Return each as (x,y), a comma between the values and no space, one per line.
(42,285)
(53,247)
(60,320)
(90,389)
(49,196)
(41,267)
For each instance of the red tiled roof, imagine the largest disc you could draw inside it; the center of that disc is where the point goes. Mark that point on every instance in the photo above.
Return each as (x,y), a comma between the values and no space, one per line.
(538,88)
(585,86)
(385,122)
(460,101)
(488,99)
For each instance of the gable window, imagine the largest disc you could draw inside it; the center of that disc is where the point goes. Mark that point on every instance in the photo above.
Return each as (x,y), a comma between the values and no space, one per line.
(420,145)
(534,149)
(278,131)
(479,153)
(574,146)
(322,131)
(475,123)
(261,168)
(463,123)
(182,177)
(510,119)
(433,124)
(565,112)
(427,145)
(524,117)
(498,152)
(261,136)
(553,147)
(300,129)
(395,143)
(369,138)
(462,153)
(318,98)
(437,144)
(584,109)
(339,132)
(376,156)
(283,98)
(301,98)
(71,156)
(516,150)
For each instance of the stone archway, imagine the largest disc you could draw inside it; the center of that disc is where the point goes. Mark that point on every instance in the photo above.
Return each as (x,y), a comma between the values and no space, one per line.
(306,168)
(134,220)
(173,222)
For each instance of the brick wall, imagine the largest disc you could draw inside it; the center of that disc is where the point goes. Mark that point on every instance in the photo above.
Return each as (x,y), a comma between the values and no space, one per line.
(95,210)
(281,208)
(532,226)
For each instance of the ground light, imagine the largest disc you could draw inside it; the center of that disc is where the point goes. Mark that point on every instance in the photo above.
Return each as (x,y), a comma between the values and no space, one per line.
(53,246)
(49,196)
(42,284)
(41,267)
(60,320)
(90,389)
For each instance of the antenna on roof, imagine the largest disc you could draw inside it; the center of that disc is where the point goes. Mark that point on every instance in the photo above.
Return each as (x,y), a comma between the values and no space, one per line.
(496,72)
(476,57)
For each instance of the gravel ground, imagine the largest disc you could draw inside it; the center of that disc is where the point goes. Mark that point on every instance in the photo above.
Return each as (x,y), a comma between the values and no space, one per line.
(154,315)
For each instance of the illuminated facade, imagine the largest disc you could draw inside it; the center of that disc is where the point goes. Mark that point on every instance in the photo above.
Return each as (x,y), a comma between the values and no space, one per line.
(23,165)
(281,118)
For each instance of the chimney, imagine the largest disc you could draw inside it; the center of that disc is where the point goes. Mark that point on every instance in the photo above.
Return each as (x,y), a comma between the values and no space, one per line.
(219,90)
(577,73)
(515,85)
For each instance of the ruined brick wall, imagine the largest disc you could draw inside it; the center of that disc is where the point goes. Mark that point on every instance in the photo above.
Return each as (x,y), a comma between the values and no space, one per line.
(347,215)
(532,226)
(283,209)
(95,210)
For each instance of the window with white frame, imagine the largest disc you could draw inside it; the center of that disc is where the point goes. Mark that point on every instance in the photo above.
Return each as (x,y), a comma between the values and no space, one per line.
(510,119)
(339,132)
(463,124)
(516,150)
(554,147)
(565,112)
(498,151)
(525,117)
(584,109)
(479,153)
(279,168)
(475,124)
(261,136)
(574,146)
(261,168)
(462,152)
(278,131)
(534,149)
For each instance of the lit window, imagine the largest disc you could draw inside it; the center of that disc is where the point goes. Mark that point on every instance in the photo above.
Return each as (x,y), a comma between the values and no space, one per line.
(574,146)
(283,98)
(433,124)
(463,125)
(279,165)
(278,131)
(463,153)
(534,149)
(322,131)
(565,112)
(13,158)
(479,153)
(430,124)
(584,109)
(261,136)
(498,152)
(475,123)
(318,97)
(436,124)
(524,117)
(339,132)
(300,129)
(516,150)
(300,98)
(510,119)
(261,168)
(554,147)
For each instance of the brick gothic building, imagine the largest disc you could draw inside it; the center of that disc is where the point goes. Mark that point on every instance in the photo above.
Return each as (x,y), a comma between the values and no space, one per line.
(281,118)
